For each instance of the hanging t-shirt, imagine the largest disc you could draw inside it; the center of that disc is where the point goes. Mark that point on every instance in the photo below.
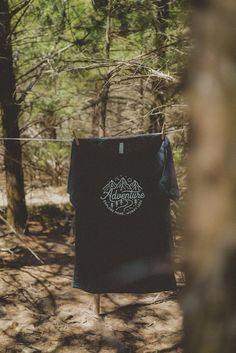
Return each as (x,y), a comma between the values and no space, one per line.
(120,188)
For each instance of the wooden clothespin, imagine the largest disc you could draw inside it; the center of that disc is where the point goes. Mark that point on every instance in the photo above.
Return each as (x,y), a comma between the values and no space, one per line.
(163,131)
(76,138)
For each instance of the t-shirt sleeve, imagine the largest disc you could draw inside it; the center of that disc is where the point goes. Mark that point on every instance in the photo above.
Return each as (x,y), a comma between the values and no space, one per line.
(72,180)
(168,180)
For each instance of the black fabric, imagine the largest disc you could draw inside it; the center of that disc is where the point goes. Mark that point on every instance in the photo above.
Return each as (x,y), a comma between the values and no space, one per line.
(168,181)
(123,237)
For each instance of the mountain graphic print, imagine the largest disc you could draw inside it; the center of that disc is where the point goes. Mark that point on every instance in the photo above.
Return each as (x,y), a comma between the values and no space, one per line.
(123,195)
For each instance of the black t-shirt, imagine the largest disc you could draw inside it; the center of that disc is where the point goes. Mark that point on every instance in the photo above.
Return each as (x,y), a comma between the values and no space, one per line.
(123,240)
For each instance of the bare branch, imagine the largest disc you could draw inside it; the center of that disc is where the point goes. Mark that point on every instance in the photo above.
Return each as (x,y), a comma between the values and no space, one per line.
(20,7)
(21,238)
(46,59)
(29,87)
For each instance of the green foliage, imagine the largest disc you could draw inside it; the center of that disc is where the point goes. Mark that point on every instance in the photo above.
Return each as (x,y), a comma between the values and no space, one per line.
(56,43)
(178,154)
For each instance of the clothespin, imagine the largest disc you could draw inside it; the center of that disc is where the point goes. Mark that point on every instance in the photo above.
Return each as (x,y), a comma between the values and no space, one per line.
(163,131)
(76,138)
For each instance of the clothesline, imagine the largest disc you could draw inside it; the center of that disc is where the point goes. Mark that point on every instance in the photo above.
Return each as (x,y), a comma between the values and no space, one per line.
(33,139)
(70,140)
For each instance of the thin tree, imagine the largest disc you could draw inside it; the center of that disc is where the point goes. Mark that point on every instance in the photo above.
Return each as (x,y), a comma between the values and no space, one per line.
(106,86)
(157,119)
(10,110)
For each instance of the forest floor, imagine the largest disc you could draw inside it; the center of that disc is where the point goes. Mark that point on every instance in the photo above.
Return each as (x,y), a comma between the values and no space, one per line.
(41,312)
(51,195)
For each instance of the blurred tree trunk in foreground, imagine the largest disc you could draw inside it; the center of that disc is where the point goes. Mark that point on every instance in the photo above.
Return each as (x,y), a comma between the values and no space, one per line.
(210,300)
(10,110)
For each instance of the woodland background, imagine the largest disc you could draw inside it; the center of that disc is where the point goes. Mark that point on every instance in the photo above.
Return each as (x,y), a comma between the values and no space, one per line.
(94,67)
(104,68)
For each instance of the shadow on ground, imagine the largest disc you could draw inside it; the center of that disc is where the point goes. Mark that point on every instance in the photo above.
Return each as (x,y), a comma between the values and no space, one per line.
(41,312)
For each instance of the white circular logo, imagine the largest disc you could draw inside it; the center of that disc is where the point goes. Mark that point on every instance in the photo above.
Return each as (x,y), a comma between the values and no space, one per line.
(122,195)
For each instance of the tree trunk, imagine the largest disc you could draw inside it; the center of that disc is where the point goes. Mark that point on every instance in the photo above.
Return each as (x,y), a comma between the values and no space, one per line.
(16,210)
(106,87)
(156,121)
(103,108)
(210,300)
(162,21)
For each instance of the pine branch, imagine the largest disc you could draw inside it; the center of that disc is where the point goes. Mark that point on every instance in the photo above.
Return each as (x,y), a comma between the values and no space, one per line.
(20,7)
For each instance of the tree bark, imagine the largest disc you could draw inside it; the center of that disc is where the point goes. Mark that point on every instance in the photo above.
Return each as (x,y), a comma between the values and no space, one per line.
(210,304)
(106,87)
(162,21)
(95,115)
(10,110)
(156,121)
